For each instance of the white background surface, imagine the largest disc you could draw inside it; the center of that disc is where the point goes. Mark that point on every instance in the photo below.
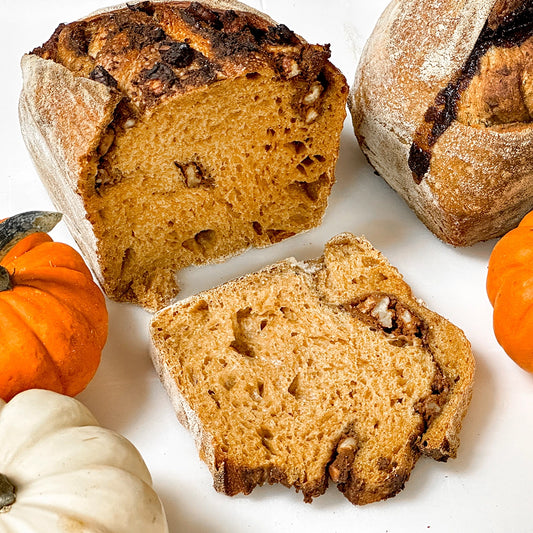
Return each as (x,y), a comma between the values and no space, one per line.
(486,489)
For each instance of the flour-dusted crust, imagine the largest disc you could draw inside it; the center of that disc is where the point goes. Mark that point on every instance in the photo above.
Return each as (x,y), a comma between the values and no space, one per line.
(350,267)
(53,103)
(72,111)
(480,179)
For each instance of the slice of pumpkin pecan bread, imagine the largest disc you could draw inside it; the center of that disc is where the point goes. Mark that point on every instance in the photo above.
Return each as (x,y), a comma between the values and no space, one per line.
(303,373)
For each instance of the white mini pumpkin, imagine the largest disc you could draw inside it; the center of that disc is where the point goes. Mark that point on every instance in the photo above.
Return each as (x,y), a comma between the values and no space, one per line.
(61,472)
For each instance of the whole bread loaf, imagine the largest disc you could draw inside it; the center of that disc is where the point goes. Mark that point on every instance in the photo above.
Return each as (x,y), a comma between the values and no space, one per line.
(179,133)
(307,372)
(442,106)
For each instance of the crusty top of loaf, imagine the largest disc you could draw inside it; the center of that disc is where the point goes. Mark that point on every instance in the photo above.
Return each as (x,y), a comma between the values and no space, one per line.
(151,51)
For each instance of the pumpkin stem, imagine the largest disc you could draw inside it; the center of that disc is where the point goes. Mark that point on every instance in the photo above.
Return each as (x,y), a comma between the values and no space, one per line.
(5,280)
(7,494)
(16,228)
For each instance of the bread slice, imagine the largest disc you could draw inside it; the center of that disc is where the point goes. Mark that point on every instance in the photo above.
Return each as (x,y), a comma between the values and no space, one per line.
(447,119)
(304,372)
(179,133)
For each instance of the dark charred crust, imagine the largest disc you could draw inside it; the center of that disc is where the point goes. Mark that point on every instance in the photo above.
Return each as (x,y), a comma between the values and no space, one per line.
(49,49)
(431,406)
(313,59)
(161,72)
(441,454)
(164,65)
(144,7)
(386,313)
(236,479)
(177,54)
(101,75)
(76,38)
(385,464)
(509,24)
(281,35)
(341,467)
(359,493)
(201,17)
(141,32)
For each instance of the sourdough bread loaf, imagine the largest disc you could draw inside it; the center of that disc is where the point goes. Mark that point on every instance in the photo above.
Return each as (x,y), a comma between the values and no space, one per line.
(442,106)
(307,372)
(179,133)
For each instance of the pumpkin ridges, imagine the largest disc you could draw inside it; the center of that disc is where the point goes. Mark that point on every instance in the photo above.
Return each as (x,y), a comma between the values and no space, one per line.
(513,251)
(74,290)
(66,331)
(72,441)
(24,245)
(22,362)
(16,435)
(513,318)
(50,254)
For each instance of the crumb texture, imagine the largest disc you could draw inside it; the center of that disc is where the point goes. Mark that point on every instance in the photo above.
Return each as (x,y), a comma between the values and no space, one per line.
(224,135)
(306,376)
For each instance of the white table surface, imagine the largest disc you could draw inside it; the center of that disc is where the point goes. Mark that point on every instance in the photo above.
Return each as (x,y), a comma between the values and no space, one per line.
(486,489)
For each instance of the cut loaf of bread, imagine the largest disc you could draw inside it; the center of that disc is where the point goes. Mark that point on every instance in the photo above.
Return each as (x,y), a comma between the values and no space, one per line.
(180,133)
(305,372)
(442,106)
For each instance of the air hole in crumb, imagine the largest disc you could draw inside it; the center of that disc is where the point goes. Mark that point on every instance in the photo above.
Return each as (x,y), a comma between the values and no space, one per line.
(400,343)
(213,396)
(268,147)
(270,131)
(278,100)
(266,439)
(263,324)
(307,161)
(256,98)
(298,146)
(241,342)
(257,228)
(287,131)
(310,189)
(295,386)
(202,305)
(277,235)
(203,242)
(320,158)
(301,169)
(253,75)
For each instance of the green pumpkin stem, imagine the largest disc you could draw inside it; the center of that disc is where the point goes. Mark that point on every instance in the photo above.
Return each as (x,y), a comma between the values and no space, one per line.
(7,494)
(16,228)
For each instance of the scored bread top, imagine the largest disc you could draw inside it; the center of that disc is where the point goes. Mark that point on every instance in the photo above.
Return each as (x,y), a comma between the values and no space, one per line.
(442,106)
(307,371)
(152,51)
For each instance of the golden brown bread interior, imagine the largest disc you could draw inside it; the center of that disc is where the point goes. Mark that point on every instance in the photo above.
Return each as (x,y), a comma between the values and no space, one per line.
(180,133)
(307,371)
(447,119)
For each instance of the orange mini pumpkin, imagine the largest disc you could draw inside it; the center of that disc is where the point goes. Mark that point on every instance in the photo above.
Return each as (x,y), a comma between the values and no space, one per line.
(53,317)
(510,290)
